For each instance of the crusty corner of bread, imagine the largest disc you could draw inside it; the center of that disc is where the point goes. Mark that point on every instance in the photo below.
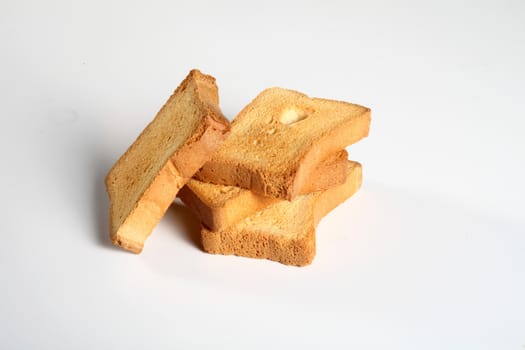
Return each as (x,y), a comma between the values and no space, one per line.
(304,249)
(212,242)
(127,244)
(197,74)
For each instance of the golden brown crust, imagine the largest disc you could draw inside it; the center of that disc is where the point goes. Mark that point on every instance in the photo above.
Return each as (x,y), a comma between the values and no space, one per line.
(271,154)
(180,139)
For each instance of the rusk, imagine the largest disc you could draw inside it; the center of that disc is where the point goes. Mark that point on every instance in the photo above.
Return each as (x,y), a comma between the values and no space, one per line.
(279,138)
(180,139)
(283,231)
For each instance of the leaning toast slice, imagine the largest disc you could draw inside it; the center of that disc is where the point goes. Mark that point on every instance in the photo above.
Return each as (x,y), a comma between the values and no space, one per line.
(180,139)
(220,206)
(284,231)
(279,138)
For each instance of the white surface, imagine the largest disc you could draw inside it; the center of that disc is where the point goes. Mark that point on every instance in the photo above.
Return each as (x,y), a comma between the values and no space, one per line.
(430,254)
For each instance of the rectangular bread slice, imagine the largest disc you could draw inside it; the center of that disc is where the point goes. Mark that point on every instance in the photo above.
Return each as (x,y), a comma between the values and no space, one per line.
(284,231)
(180,139)
(220,206)
(279,138)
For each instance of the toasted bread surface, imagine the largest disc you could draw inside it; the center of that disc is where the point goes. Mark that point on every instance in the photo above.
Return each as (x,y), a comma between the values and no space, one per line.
(279,138)
(220,206)
(285,230)
(180,139)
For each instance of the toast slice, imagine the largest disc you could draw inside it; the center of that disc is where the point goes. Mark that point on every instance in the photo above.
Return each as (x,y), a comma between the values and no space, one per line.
(279,138)
(220,206)
(180,139)
(285,231)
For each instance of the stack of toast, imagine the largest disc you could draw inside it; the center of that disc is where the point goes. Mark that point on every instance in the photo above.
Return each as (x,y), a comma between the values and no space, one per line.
(258,186)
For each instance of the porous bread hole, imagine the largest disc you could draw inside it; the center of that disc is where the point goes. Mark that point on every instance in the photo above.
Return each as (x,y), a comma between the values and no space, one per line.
(292,115)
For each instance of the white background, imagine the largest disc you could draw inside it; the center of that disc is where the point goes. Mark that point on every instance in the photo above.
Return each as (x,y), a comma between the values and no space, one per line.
(430,254)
